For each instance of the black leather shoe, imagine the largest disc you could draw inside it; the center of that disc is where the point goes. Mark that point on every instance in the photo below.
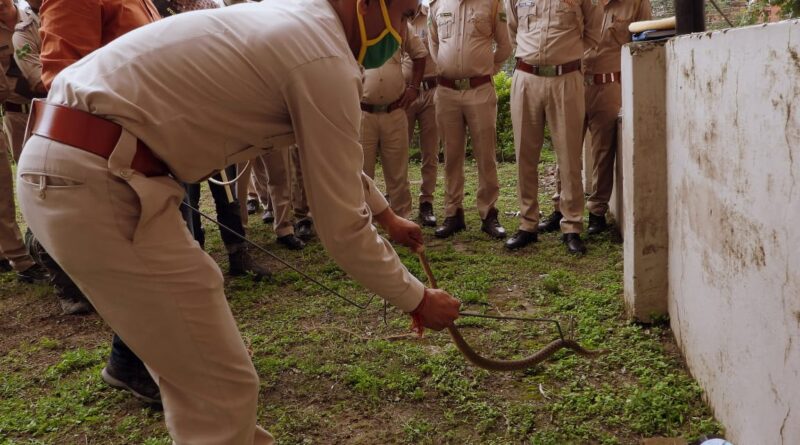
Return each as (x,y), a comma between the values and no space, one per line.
(268,217)
(552,223)
(5,266)
(521,239)
(241,263)
(304,229)
(597,224)
(140,384)
(252,206)
(34,274)
(426,216)
(291,242)
(492,226)
(452,225)
(574,243)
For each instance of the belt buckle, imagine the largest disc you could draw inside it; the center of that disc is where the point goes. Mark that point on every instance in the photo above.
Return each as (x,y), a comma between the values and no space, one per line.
(462,84)
(588,79)
(548,70)
(380,108)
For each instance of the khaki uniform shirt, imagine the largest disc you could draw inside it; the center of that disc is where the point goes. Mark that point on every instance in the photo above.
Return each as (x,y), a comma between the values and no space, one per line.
(617,15)
(10,69)
(27,46)
(386,84)
(170,85)
(462,36)
(553,32)
(419,27)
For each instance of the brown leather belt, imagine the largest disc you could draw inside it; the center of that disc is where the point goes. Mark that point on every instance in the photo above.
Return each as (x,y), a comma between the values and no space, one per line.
(16,108)
(464,84)
(602,79)
(429,83)
(89,133)
(549,70)
(370,108)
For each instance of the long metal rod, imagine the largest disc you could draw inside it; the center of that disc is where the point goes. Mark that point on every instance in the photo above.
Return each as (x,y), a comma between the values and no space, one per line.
(422,256)
(280,260)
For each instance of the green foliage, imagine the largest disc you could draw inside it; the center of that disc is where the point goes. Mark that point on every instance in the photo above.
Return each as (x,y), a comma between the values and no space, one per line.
(505,131)
(758,11)
(331,373)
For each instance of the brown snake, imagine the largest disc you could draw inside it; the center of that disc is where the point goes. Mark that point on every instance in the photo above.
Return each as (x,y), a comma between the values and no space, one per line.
(505,365)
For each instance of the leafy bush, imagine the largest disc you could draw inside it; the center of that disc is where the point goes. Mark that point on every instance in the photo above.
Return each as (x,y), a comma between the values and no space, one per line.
(505,132)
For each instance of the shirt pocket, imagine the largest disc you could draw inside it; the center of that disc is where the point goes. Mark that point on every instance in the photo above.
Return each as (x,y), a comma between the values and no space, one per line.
(444,25)
(480,25)
(527,14)
(619,29)
(567,14)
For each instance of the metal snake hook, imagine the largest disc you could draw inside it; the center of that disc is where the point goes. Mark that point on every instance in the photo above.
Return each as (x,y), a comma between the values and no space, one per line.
(506,365)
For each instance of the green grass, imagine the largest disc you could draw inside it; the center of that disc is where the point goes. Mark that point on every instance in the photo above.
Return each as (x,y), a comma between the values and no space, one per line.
(331,373)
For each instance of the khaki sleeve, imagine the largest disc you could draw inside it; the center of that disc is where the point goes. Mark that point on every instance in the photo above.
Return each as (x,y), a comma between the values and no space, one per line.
(513,22)
(413,45)
(433,34)
(503,49)
(26,53)
(592,24)
(326,124)
(645,11)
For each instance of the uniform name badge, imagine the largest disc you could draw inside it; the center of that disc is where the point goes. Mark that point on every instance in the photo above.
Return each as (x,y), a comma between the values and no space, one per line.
(526,4)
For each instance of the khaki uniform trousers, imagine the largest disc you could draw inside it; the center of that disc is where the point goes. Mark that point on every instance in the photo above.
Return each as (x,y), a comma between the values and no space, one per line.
(423,110)
(14,125)
(388,132)
(121,237)
(271,176)
(603,103)
(559,101)
(11,244)
(455,111)
(299,199)
(257,191)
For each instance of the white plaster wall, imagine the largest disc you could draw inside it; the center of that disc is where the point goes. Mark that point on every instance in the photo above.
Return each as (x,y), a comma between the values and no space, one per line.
(733,144)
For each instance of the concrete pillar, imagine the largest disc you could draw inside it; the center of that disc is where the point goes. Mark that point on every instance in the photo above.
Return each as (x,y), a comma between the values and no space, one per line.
(644,168)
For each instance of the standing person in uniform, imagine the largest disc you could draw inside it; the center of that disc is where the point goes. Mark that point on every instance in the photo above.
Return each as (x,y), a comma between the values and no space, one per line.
(272,177)
(550,37)
(469,43)
(297,80)
(15,255)
(384,125)
(71,29)
(258,195)
(601,67)
(304,223)
(28,47)
(423,110)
